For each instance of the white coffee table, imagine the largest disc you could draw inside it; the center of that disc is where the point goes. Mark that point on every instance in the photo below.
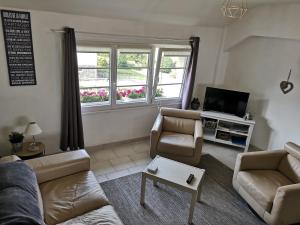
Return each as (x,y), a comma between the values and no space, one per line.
(174,174)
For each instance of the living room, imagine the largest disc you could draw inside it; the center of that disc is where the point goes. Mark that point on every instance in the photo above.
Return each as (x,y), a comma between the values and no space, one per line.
(136,61)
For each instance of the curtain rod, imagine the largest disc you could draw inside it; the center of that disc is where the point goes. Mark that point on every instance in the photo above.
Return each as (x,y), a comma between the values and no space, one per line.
(125,36)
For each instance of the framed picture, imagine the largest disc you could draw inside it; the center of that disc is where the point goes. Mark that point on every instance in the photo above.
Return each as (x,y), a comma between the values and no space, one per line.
(18,46)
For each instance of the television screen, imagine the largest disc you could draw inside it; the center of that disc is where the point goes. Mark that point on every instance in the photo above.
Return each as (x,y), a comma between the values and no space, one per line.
(226,101)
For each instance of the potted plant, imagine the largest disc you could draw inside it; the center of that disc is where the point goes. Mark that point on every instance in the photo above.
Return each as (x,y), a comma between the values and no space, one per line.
(16,139)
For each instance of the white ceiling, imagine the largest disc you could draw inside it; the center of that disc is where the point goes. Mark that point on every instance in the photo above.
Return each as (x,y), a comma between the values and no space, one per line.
(185,12)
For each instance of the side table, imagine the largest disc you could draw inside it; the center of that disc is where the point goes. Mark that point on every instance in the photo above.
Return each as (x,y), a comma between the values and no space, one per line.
(25,153)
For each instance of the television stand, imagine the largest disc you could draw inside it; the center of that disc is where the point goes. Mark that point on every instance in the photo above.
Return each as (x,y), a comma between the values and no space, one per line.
(227,129)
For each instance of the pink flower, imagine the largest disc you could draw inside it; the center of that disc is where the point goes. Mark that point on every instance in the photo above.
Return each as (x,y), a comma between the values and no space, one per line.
(102,93)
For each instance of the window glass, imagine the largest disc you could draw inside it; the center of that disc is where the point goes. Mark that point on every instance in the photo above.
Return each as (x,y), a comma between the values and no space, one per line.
(130,77)
(171,73)
(132,74)
(94,72)
(131,94)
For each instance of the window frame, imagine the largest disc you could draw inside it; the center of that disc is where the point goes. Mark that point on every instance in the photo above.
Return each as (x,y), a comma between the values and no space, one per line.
(169,100)
(148,78)
(97,104)
(154,62)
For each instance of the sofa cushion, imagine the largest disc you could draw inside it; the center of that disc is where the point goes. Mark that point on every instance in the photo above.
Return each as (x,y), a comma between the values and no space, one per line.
(179,125)
(290,167)
(103,216)
(18,195)
(175,143)
(71,196)
(262,185)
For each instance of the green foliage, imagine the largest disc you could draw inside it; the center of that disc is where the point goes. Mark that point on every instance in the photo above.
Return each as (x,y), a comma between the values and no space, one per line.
(88,96)
(159,92)
(135,95)
(102,60)
(131,60)
(166,63)
(139,59)
(89,99)
(16,137)
(123,61)
(119,96)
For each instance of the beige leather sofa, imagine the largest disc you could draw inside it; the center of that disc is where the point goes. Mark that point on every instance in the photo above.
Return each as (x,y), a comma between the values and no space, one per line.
(69,192)
(177,134)
(270,183)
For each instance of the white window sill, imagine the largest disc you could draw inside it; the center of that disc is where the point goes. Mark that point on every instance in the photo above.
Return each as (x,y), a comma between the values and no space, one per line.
(88,108)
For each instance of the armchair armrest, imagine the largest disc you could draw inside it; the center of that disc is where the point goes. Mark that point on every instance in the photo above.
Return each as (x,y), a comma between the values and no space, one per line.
(155,133)
(198,141)
(286,204)
(59,165)
(198,134)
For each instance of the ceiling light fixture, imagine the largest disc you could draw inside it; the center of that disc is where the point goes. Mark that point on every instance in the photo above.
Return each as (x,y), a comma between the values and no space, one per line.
(234,9)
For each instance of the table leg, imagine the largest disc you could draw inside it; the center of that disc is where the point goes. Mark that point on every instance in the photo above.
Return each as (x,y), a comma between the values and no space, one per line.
(193,202)
(199,193)
(200,189)
(143,189)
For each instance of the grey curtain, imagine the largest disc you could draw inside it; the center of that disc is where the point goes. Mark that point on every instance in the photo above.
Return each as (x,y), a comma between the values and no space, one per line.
(72,131)
(191,73)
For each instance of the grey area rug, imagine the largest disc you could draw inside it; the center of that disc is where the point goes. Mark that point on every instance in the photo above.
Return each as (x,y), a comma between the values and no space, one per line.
(220,204)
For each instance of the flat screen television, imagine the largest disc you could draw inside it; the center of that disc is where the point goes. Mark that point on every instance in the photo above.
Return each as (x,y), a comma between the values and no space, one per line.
(226,101)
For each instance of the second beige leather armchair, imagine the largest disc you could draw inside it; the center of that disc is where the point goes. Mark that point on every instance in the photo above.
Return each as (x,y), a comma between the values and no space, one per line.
(177,134)
(270,183)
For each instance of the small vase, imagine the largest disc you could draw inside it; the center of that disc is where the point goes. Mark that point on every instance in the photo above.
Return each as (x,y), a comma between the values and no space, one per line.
(16,147)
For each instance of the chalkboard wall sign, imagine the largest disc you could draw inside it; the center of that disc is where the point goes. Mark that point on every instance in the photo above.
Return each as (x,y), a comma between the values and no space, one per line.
(18,45)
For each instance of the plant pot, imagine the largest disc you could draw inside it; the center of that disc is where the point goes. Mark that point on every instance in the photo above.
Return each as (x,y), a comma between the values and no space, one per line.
(16,147)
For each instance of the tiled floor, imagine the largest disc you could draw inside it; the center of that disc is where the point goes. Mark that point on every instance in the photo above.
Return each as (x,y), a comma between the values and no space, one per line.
(120,160)
(124,159)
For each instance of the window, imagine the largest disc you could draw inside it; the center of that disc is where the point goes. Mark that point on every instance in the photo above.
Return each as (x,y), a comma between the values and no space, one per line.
(170,72)
(117,75)
(94,69)
(132,75)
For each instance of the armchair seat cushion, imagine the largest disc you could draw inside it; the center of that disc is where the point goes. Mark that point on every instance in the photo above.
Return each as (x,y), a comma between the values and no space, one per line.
(176,143)
(262,185)
(71,196)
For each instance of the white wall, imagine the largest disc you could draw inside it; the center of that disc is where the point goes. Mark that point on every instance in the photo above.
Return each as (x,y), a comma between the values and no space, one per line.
(258,65)
(42,103)
(257,54)
(274,21)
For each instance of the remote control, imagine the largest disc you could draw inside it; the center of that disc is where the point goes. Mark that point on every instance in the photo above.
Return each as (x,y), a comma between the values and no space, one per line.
(152,168)
(190,179)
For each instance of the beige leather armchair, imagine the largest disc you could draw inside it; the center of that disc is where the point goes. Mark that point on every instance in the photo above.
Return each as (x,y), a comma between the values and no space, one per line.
(270,183)
(177,134)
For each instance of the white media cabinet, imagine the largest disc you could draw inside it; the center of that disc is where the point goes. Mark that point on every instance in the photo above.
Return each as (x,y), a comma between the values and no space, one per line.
(227,129)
